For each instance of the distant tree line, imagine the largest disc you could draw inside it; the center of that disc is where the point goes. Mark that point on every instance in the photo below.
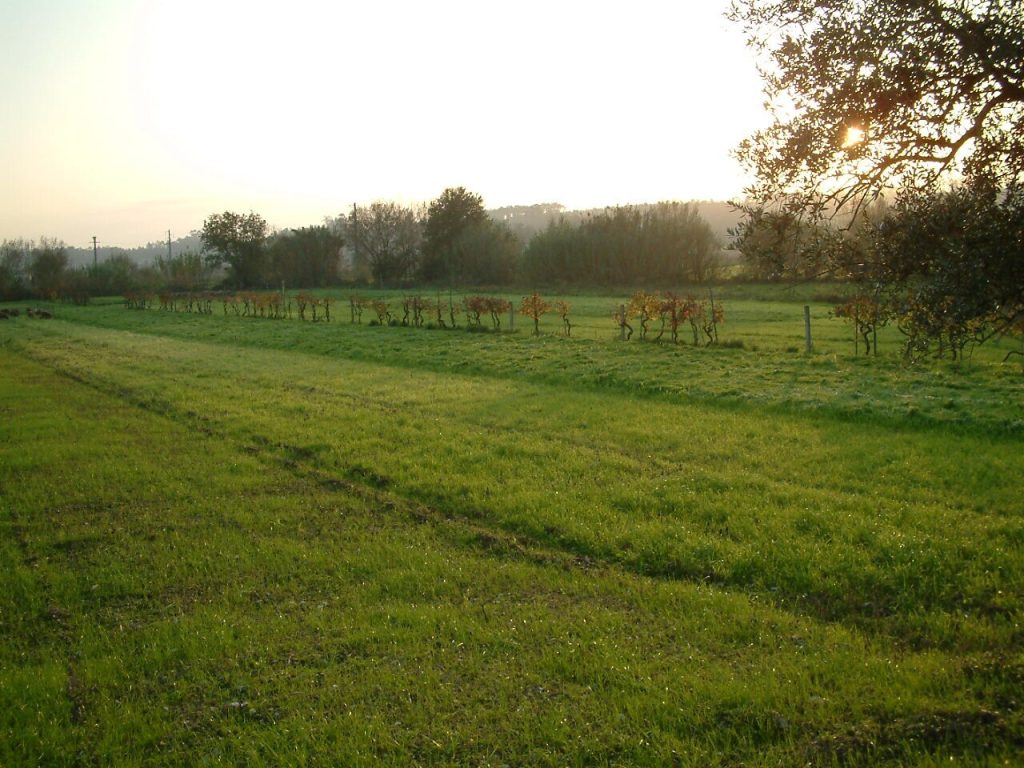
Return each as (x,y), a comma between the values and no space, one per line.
(451,241)
(946,266)
(454,241)
(42,270)
(666,243)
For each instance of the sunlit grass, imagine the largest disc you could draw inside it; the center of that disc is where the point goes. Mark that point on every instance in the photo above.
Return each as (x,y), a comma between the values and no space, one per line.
(772,370)
(262,542)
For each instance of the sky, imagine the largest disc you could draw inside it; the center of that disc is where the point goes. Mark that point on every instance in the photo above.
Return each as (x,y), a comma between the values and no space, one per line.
(123,119)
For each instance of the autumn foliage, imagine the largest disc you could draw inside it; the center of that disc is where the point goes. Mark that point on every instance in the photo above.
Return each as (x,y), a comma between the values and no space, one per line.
(534,306)
(670,312)
(478,307)
(562,308)
(866,315)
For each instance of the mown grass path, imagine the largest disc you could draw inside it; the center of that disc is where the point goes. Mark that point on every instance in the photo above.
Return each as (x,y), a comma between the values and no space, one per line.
(248,553)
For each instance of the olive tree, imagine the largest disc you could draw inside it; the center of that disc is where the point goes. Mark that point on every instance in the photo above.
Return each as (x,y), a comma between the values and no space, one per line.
(881,94)
(921,96)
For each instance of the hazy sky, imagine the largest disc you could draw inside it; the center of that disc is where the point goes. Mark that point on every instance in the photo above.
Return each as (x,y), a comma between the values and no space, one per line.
(123,119)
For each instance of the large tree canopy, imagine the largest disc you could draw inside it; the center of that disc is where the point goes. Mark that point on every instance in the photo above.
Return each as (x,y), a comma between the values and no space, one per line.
(875,94)
(386,237)
(14,264)
(237,240)
(448,217)
(954,262)
(307,257)
(48,267)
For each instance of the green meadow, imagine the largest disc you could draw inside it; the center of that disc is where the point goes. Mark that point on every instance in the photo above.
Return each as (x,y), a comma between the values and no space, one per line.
(240,541)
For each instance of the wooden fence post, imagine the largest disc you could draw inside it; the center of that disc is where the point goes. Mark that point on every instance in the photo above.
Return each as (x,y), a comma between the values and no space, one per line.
(807,327)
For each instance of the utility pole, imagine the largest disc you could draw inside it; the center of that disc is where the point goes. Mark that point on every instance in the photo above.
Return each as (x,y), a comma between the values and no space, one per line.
(355,237)
(168,245)
(94,259)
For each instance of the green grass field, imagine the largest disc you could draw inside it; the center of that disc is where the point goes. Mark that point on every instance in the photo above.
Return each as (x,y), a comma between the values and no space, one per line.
(255,542)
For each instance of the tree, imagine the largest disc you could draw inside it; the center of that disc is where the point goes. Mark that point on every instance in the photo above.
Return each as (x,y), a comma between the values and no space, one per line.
(14,261)
(182,272)
(533,306)
(116,275)
(551,255)
(884,94)
(48,267)
(680,244)
(782,244)
(448,218)
(387,238)
(953,263)
(237,240)
(668,242)
(485,253)
(307,257)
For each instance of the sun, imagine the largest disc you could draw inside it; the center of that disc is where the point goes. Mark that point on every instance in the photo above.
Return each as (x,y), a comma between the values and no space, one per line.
(854,135)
